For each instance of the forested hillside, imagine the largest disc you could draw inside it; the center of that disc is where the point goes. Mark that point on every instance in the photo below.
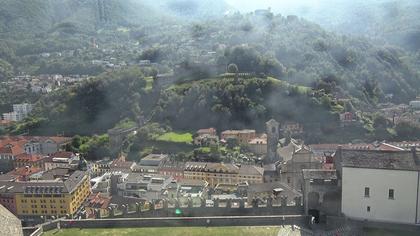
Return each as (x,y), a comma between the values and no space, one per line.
(300,52)
(219,102)
(29,17)
(291,68)
(91,108)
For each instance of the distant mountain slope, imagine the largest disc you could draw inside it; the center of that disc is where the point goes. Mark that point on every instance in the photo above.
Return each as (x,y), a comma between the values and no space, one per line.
(190,9)
(395,22)
(38,16)
(391,21)
(303,53)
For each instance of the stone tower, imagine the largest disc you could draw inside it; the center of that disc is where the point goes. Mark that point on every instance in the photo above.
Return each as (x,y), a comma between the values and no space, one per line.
(273,135)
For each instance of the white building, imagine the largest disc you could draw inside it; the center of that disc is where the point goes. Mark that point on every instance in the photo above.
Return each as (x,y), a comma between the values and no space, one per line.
(380,186)
(24,108)
(12,116)
(63,160)
(20,112)
(415,105)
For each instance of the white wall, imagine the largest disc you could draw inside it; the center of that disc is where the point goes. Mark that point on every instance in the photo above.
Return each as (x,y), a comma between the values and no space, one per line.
(400,210)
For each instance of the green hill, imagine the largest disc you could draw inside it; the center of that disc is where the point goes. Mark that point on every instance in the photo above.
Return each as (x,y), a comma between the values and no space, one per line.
(224,103)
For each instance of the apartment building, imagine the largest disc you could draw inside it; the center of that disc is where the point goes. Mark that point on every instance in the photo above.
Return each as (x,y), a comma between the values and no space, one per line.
(223,173)
(55,193)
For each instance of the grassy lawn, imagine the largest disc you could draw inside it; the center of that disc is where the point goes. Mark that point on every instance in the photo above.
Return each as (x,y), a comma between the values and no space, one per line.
(191,231)
(384,232)
(126,124)
(176,137)
(149,83)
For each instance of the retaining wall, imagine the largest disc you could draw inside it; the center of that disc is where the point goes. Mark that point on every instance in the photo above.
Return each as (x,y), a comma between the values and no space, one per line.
(213,211)
(187,221)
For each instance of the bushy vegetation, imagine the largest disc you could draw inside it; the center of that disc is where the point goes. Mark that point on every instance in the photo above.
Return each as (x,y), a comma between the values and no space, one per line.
(92,108)
(92,148)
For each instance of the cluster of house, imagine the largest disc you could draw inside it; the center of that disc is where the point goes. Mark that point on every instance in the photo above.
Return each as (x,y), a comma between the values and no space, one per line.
(364,181)
(156,177)
(40,179)
(255,143)
(401,113)
(21,151)
(43,83)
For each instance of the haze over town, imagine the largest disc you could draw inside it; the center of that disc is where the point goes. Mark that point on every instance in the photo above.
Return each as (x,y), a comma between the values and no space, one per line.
(219,117)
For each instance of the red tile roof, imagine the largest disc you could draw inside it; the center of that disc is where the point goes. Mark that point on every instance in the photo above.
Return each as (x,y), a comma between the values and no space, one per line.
(15,144)
(24,171)
(60,140)
(5,122)
(207,131)
(14,149)
(63,154)
(356,146)
(98,201)
(24,157)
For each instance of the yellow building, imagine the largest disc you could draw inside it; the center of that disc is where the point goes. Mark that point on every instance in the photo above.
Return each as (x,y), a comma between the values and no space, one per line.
(53,198)
(222,173)
(101,167)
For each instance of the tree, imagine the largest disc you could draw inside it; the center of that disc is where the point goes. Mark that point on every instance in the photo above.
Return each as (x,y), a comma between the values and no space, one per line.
(232,68)
(407,131)
(245,57)
(6,70)
(151,54)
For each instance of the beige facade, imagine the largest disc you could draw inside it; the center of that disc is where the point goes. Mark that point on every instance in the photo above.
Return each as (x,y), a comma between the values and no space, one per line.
(221,173)
(291,170)
(258,146)
(242,136)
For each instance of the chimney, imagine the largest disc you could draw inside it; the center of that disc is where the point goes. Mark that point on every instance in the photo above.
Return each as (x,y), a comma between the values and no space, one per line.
(414,153)
(338,159)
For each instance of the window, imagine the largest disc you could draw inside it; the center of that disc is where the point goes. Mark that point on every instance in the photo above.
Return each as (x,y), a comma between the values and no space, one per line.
(391,194)
(368,209)
(367,192)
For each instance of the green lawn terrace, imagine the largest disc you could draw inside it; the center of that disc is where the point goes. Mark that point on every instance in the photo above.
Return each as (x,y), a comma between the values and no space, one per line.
(178,231)
(149,83)
(220,231)
(176,137)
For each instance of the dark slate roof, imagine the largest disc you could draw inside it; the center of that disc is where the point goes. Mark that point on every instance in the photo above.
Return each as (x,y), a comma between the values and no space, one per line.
(173,165)
(373,159)
(192,182)
(270,168)
(56,173)
(46,186)
(266,187)
(11,187)
(153,160)
(74,180)
(319,174)
(251,170)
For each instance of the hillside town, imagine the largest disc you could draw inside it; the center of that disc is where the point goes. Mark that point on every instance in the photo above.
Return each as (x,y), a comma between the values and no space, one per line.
(209,117)
(42,181)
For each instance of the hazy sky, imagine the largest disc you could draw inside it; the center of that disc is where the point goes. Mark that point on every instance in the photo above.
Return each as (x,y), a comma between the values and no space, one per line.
(302,6)
(276,5)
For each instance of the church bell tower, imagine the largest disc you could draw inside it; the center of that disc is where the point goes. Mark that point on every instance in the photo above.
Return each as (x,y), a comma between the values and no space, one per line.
(273,135)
